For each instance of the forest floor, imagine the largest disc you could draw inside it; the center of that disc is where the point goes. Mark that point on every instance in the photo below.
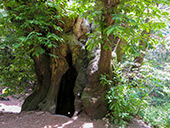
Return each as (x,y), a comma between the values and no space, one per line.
(11,117)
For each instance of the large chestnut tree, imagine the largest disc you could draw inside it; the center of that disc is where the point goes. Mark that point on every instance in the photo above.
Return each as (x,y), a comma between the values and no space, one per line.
(69,44)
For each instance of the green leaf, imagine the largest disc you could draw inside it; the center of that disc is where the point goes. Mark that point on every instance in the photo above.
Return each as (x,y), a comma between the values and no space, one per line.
(38,51)
(110,30)
(105,46)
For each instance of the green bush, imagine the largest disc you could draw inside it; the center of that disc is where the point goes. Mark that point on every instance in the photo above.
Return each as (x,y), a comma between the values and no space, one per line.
(138,94)
(127,99)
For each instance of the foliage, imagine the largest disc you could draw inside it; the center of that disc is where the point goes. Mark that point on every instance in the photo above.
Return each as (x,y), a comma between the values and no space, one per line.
(30,28)
(34,21)
(157,84)
(131,18)
(126,99)
(156,69)
(16,69)
(158,116)
(143,92)
(16,66)
(150,85)
(137,93)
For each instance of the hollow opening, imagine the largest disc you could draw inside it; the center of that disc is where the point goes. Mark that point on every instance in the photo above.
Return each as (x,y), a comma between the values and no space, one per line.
(65,101)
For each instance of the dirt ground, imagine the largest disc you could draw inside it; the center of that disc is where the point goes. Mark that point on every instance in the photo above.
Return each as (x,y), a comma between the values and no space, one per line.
(11,117)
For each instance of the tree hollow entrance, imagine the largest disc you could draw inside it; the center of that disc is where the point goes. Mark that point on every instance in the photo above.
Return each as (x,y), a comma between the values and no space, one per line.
(65,101)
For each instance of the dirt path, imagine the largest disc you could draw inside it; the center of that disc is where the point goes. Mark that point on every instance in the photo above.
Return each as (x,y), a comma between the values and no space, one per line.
(45,120)
(42,119)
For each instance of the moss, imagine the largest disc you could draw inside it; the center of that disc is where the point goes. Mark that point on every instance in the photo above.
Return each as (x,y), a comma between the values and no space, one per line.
(69,38)
(85,99)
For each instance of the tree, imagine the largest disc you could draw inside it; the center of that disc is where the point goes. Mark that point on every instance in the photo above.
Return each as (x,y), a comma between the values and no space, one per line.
(55,35)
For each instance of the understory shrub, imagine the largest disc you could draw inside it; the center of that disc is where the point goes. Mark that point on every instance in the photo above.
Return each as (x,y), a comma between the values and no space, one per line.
(138,93)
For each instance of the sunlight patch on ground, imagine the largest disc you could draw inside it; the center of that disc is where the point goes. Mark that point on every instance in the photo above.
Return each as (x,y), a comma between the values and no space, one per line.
(70,123)
(63,125)
(59,126)
(10,108)
(87,125)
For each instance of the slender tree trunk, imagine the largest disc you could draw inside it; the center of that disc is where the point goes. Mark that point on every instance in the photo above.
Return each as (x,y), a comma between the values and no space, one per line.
(93,98)
(139,59)
(119,52)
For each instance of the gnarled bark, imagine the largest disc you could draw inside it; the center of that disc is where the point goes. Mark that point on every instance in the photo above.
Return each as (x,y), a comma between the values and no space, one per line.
(43,73)
(61,79)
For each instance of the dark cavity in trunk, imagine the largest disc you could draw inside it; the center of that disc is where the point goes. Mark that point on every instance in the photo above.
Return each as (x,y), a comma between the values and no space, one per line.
(65,101)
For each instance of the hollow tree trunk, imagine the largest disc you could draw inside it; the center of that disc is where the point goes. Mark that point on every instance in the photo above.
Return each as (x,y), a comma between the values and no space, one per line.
(61,79)
(69,83)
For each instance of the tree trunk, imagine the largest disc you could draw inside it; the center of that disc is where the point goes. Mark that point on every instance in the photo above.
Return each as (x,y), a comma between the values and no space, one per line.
(69,83)
(93,98)
(60,79)
(139,59)
(119,52)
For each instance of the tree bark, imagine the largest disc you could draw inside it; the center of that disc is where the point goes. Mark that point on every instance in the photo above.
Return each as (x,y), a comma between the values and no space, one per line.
(93,97)
(43,73)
